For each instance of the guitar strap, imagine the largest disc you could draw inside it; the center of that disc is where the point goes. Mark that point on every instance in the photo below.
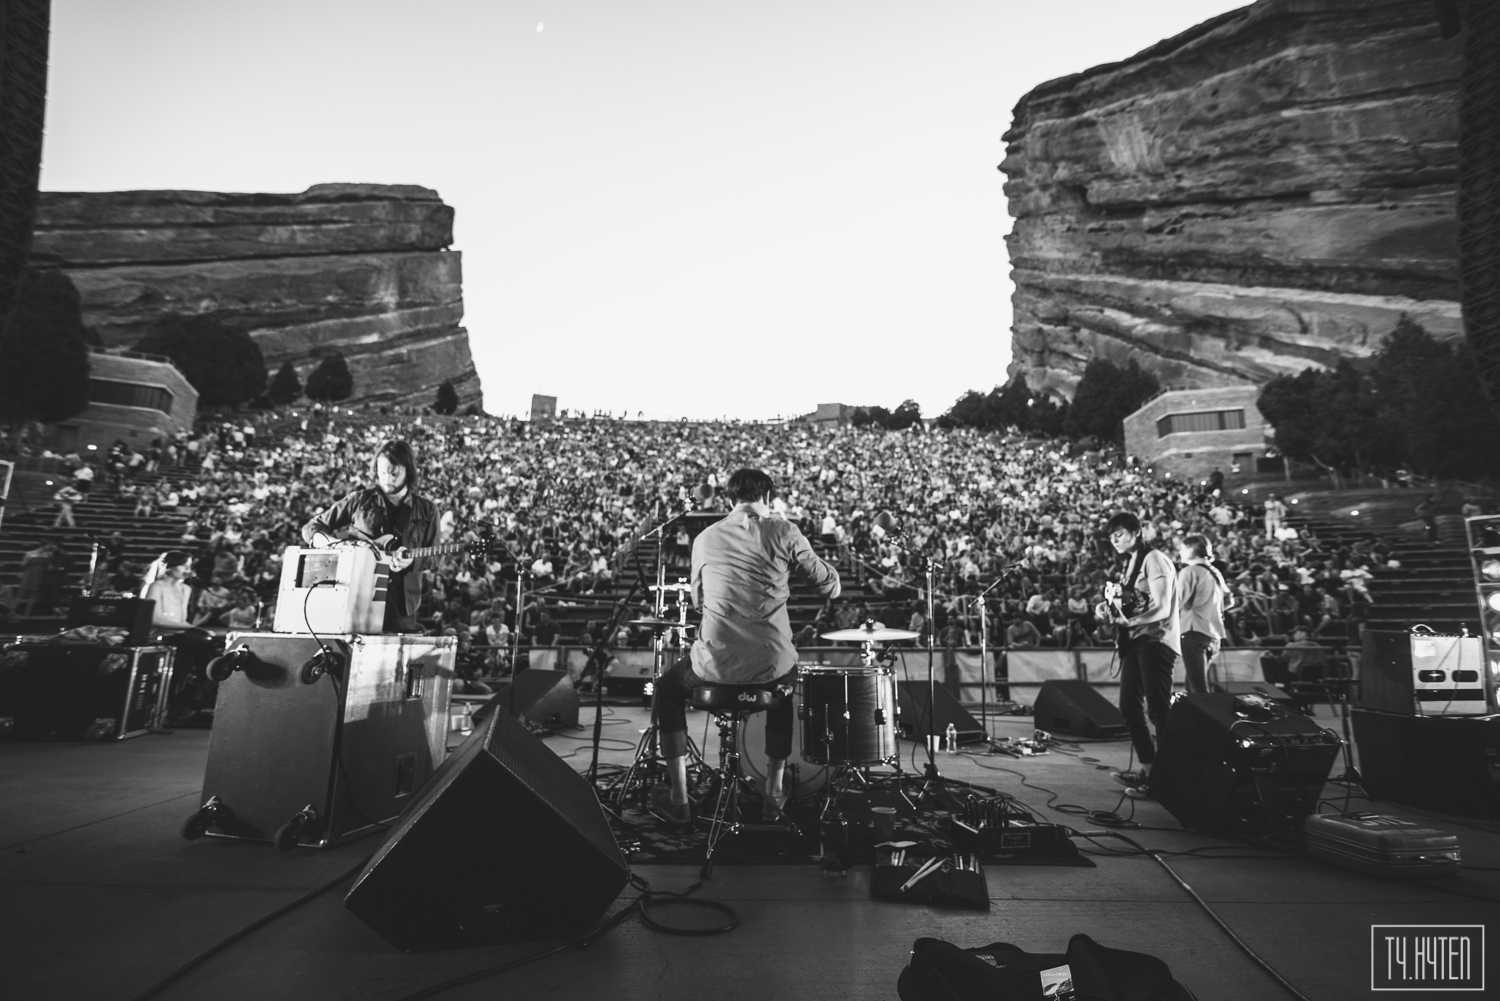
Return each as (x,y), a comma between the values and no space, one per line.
(1137,562)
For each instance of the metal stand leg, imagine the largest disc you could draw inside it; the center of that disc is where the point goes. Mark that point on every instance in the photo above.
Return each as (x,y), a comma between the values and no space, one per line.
(725,820)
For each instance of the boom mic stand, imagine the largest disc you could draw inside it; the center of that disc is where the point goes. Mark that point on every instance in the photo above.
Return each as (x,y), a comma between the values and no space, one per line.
(984,650)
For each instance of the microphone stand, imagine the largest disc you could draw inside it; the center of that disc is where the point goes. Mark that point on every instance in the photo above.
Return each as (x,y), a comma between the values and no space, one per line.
(596,656)
(984,647)
(931,778)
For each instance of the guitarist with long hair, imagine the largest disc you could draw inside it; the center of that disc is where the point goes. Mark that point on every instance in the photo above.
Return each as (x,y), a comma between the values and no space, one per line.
(393,517)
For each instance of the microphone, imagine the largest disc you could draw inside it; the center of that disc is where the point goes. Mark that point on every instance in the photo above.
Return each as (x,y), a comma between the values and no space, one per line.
(705,493)
(887,522)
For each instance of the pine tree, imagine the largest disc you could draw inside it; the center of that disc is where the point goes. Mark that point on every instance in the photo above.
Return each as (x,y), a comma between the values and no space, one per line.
(331,381)
(285,386)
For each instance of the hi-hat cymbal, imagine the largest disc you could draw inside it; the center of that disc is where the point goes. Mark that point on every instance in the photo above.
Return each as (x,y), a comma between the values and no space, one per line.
(881,635)
(660,623)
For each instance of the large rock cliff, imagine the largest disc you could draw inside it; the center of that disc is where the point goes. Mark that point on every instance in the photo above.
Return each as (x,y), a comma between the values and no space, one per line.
(1271,189)
(362,269)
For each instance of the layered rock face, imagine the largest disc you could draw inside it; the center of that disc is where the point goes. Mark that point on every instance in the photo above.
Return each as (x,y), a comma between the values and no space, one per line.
(361,269)
(1271,189)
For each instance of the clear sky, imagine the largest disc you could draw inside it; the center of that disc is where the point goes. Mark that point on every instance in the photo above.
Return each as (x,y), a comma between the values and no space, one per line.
(684,207)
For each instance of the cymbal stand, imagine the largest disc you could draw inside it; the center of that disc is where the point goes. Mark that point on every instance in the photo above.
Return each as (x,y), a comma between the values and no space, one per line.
(648,762)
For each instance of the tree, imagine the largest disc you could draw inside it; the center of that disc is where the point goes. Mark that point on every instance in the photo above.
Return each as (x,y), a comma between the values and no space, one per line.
(967,411)
(1427,399)
(1105,396)
(223,363)
(447,398)
(1011,406)
(331,380)
(1324,416)
(1047,416)
(285,386)
(45,348)
(904,416)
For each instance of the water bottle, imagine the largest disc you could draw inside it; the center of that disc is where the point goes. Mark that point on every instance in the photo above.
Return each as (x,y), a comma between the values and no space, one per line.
(950,739)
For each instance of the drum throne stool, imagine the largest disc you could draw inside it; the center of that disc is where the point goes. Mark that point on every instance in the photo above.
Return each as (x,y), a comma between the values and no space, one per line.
(730,705)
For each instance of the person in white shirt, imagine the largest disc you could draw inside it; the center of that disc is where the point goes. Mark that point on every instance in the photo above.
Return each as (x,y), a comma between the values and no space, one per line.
(166,584)
(1275,516)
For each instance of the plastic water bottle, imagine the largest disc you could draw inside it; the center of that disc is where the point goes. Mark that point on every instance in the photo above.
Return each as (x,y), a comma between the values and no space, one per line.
(950,739)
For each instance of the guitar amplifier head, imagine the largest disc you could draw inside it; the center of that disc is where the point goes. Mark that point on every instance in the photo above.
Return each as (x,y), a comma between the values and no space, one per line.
(331,591)
(1447,675)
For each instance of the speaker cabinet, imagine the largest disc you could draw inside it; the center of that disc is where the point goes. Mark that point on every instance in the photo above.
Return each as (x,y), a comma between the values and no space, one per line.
(1075,709)
(507,842)
(912,696)
(546,698)
(333,755)
(1445,763)
(1227,766)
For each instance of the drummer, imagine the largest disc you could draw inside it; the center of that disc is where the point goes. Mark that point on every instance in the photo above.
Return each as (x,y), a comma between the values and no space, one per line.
(741,574)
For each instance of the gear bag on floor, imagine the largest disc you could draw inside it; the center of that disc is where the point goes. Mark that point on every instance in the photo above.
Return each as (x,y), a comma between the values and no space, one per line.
(1088,971)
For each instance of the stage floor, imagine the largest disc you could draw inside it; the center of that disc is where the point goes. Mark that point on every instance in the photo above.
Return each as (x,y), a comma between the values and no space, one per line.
(103,898)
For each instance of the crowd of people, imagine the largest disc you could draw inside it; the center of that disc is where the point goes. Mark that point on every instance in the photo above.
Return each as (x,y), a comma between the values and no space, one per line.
(560,506)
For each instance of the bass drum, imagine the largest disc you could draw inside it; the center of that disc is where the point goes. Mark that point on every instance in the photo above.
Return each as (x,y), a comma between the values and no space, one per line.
(849,715)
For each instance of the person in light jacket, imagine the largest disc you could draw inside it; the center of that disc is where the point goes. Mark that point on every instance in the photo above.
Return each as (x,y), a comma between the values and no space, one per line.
(1201,596)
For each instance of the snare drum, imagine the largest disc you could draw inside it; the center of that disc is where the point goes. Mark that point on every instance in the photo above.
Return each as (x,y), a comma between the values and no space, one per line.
(848,715)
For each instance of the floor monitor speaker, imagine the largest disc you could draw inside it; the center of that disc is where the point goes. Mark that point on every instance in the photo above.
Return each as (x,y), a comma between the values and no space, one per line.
(912,697)
(1076,709)
(506,842)
(1233,765)
(546,698)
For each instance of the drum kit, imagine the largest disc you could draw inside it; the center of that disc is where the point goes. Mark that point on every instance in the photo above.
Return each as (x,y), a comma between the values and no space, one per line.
(850,714)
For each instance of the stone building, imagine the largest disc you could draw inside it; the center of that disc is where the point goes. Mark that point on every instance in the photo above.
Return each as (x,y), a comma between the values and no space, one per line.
(1191,432)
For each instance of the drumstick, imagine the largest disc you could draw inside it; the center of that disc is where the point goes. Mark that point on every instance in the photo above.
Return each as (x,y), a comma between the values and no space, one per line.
(928,868)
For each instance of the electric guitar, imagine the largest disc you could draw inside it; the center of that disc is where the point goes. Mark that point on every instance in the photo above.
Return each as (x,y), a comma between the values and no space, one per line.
(1114,594)
(397,557)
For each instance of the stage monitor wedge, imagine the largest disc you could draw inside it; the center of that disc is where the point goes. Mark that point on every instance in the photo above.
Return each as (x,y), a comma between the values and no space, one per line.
(1076,709)
(546,698)
(505,843)
(912,704)
(1241,766)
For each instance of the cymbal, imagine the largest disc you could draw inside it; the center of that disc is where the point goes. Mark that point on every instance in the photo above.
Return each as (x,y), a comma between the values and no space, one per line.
(660,623)
(670,587)
(860,635)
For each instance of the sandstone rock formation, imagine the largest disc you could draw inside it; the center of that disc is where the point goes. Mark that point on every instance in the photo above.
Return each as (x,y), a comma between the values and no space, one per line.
(1270,189)
(358,268)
